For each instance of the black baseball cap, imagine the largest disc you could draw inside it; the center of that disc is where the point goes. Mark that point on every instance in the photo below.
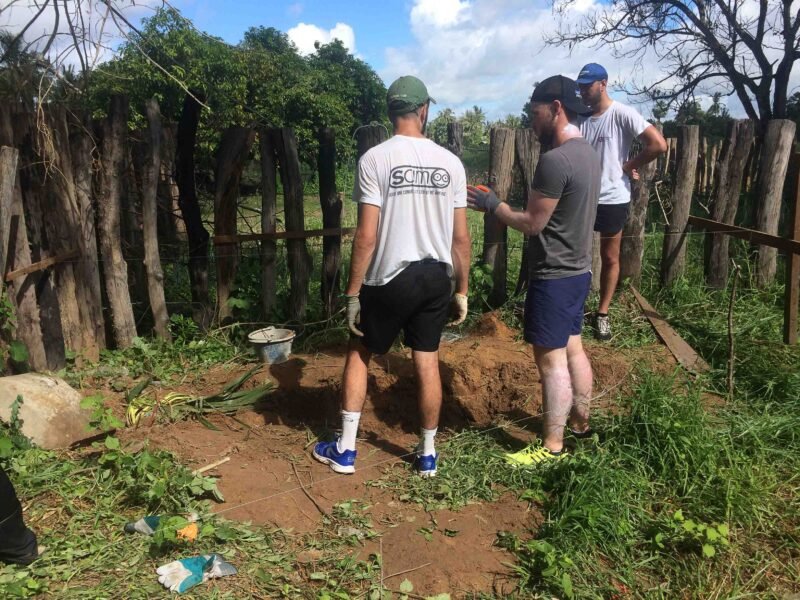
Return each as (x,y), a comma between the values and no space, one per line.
(563,89)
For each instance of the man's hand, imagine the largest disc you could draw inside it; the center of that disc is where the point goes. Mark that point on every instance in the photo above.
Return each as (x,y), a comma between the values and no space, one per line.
(633,174)
(458,309)
(482,198)
(354,315)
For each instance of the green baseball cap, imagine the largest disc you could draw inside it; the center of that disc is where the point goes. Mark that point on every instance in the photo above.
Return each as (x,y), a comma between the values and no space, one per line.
(406,94)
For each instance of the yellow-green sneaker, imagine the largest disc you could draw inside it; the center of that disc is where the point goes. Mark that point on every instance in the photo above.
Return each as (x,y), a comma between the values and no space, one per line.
(532,455)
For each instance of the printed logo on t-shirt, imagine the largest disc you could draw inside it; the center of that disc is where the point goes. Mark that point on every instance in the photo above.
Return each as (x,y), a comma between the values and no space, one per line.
(424,177)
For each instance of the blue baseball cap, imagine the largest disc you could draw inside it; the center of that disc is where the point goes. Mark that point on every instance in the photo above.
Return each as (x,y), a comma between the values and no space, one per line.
(591,73)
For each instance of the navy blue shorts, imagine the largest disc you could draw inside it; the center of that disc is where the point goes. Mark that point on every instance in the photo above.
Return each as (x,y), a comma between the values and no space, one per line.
(554,310)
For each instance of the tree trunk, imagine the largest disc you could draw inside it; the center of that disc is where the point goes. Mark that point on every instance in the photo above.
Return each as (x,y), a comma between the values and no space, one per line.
(33,189)
(190,209)
(269,195)
(369,136)
(455,138)
(775,154)
(527,149)
(791,299)
(115,269)
(8,177)
(331,219)
(674,251)
(729,175)
(151,167)
(298,257)
(495,233)
(82,146)
(632,247)
(170,225)
(231,156)
(132,227)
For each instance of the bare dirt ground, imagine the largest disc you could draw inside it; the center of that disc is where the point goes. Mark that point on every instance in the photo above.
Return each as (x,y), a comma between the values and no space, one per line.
(487,375)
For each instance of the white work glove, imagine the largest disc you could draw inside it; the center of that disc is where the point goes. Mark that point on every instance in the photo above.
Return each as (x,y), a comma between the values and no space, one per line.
(354,315)
(458,309)
(181,575)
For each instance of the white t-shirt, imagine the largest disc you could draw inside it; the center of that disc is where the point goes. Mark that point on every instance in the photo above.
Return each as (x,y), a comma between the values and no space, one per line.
(611,135)
(417,185)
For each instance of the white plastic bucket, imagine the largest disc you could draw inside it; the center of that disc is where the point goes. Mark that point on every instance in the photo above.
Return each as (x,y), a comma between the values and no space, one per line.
(273,345)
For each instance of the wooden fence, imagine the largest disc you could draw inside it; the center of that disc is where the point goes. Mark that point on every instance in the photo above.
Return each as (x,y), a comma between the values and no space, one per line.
(89,209)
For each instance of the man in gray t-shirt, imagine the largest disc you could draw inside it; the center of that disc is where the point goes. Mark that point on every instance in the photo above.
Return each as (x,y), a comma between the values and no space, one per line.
(611,128)
(559,218)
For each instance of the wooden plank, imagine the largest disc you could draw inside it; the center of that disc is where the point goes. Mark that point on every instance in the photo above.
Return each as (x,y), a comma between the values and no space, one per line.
(41,265)
(221,240)
(756,237)
(682,351)
(792,296)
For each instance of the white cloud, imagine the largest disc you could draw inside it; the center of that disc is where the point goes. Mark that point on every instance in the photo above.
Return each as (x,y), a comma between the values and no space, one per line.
(491,52)
(439,13)
(304,36)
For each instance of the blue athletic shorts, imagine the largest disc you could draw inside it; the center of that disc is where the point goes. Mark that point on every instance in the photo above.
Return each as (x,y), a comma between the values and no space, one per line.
(554,310)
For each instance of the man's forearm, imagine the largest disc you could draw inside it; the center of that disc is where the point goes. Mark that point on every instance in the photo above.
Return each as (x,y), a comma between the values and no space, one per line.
(520,220)
(461,262)
(359,262)
(647,155)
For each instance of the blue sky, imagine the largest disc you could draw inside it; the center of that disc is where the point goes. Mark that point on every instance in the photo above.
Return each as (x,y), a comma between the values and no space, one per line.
(487,53)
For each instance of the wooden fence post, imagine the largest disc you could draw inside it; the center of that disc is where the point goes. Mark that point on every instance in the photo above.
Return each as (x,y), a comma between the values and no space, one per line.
(725,198)
(674,250)
(82,145)
(632,246)
(495,233)
(231,156)
(8,176)
(170,225)
(369,136)
(269,199)
(527,150)
(331,205)
(772,173)
(297,254)
(114,266)
(152,260)
(792,295)
(190,209)
(700,184)
(455,138)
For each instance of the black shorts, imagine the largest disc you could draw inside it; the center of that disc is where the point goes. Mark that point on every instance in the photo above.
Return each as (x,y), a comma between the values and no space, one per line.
(416,301)
(554,310)
(611,217)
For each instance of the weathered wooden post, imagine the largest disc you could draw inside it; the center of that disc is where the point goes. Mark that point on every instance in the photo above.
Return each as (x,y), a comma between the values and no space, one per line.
(701,166)
(369,136)
(298,257)
(115,269)
(231,156)
(190,209)
(269,202)
(725,198)
(792,294)
(331,219)
(152,260)
(527,150)
(774,162)
(495,233)
(82,145)
(455,138)
(8,177)
(674,250)
(632,246)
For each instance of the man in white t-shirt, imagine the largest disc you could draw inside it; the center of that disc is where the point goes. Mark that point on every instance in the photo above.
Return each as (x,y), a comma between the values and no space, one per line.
(611,129)
(410,244)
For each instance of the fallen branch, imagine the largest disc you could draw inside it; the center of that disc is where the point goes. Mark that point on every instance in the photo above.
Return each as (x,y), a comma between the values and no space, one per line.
(407,571)
(213,465)
(308,494)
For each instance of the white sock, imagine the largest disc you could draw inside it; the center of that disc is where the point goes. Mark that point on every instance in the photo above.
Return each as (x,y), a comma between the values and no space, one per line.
(350,420)
(426,447)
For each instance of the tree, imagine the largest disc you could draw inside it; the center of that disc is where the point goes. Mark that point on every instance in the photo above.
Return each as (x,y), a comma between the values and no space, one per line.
(746,50)
(475,127)
(437,127)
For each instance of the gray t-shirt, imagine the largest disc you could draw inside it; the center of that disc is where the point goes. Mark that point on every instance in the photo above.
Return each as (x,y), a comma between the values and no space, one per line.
(612,134)
(571,174)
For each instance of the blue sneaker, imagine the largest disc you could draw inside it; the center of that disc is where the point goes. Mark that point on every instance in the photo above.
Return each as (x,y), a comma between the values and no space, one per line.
(341,462)
(425,466)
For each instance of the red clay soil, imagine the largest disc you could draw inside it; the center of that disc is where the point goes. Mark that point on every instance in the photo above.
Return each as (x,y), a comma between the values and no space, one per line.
(487,375)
